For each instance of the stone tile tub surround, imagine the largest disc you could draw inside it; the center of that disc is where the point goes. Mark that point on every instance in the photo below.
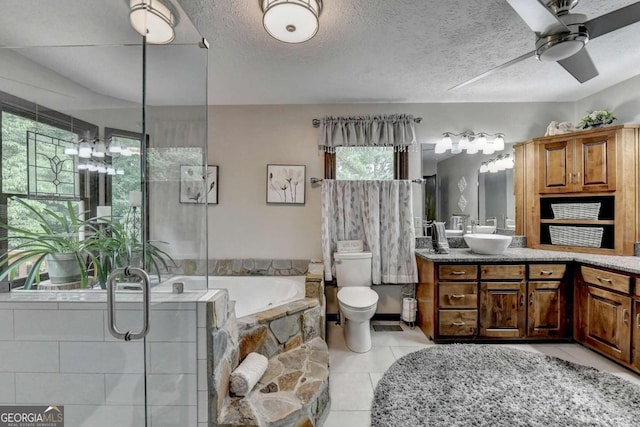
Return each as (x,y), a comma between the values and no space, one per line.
(242,267)
(279,334)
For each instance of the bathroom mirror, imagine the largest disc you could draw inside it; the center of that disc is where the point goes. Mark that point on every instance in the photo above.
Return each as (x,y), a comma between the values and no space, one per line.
(496,201)
(462,190)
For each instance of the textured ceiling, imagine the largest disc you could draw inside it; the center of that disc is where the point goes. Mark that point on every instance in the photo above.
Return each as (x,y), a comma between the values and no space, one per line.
(366,51)
(398,51)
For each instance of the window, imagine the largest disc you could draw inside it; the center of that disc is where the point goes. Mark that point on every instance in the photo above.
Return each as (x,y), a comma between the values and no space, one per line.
(130,163)
(366,163)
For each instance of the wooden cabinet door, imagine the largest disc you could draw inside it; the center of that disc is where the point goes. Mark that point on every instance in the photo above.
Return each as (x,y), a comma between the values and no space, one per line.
(607,323)
(555,166)
(636,337)
(502,309)
(595,167)
(547,315)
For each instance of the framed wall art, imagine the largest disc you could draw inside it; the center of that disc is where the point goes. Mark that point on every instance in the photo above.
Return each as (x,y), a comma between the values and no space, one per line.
(196,187)
(286,184)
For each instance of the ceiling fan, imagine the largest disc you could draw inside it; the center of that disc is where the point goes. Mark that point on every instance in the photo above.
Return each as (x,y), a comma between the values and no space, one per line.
(561,36)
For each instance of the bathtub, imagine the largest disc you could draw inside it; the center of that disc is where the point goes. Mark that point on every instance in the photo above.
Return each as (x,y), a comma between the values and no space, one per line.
(252,294)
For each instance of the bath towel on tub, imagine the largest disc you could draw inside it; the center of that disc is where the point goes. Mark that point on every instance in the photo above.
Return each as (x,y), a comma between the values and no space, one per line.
(247,374)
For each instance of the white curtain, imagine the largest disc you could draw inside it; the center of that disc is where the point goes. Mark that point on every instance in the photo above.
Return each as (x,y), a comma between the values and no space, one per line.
(381,214)
(395,130)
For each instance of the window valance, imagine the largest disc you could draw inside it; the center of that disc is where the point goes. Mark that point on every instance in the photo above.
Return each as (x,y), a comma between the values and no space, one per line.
(395,130)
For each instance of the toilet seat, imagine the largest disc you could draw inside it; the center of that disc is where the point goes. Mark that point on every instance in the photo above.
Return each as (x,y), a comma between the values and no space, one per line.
(358,298)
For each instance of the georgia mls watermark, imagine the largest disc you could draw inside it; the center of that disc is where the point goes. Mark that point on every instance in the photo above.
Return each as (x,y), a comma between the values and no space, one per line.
(32,416)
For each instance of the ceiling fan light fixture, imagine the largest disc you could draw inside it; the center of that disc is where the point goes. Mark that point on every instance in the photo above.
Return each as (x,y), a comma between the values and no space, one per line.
(152,19)
(291,21)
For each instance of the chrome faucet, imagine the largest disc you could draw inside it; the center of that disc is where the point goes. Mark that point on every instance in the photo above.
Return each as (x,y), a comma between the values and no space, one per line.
(474,223)
(493,221)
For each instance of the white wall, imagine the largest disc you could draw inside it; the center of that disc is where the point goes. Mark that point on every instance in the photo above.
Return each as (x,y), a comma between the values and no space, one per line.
(622,99)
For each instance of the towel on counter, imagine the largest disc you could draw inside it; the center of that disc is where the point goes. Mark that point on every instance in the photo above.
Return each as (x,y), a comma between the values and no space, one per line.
(440,243)
(247,374)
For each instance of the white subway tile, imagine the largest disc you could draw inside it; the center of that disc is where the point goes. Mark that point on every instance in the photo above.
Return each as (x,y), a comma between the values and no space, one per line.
(203,406)
(62,389)
(172,389)
(201,309)
(172,416)
(25,356)
(6,325)
(103,415)
(22,305)
(173,358)
(172,325)
(59,325)
(202,343)
(202,376)
(124,389)
(7,388)
(102,357)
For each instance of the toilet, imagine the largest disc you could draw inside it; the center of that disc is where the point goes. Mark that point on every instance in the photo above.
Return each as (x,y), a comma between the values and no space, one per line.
(356,299)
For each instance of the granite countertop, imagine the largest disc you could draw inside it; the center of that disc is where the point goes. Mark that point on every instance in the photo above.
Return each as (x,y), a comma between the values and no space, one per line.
(628,264)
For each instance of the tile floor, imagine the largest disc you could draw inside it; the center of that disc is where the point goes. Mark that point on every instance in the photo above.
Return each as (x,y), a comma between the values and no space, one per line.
(353,376)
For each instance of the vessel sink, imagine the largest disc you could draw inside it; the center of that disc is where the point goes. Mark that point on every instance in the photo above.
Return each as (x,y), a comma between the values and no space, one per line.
(453,233)
(483,229)
(489,244)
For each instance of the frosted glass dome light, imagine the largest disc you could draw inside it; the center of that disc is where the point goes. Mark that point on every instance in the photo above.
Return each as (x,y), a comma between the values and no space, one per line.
(291,21)
(152,19)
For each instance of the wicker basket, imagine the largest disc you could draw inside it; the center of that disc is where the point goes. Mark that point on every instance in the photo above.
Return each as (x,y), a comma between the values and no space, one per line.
(590,237)
(575,210)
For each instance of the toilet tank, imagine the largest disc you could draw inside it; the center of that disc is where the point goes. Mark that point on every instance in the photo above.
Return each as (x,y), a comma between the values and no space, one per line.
(353,268)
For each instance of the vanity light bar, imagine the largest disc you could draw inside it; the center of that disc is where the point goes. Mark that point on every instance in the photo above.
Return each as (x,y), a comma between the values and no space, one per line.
(500,163)
(470,141)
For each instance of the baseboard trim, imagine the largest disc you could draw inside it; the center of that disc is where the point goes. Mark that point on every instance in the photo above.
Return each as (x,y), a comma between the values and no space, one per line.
(333,317)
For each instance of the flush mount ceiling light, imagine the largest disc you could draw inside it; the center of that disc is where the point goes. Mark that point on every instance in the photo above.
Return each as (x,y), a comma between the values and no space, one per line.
(291,21)
(152,19)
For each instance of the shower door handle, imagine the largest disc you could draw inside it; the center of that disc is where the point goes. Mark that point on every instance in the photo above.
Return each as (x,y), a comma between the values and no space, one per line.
(111,303)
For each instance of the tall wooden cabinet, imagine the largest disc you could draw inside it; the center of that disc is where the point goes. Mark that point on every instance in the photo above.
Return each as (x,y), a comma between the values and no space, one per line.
(589,167)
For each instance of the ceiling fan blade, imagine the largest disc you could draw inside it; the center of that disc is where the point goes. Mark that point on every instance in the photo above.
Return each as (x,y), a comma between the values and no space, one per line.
(613,20)
(494,69)
(580,66)
(538,17)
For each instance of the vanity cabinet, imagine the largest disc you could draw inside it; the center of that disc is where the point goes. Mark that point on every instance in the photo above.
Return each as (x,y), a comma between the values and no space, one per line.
(578,163)
(635,338)
(605,312)
(475,302)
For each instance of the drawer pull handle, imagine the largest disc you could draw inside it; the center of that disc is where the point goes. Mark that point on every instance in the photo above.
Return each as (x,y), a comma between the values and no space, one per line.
(458,273)
(531,299)
(456,296)
(521,300)
(638,320)
(546,272)
(625,316)
(603,279)
(458,323)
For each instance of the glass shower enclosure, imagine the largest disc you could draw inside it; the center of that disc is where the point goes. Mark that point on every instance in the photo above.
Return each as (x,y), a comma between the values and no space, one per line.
(72,73)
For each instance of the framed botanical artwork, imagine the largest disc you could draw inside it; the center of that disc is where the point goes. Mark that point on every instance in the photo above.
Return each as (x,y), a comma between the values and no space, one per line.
(285,184)
(199,187)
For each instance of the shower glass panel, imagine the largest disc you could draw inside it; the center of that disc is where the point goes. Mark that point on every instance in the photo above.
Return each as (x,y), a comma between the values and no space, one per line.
(67,76)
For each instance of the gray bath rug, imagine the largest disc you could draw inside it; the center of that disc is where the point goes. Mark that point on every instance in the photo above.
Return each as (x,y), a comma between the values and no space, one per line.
(480,385)
(387,328)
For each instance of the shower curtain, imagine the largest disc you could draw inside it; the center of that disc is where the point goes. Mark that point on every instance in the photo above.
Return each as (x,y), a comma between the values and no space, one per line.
(381,214)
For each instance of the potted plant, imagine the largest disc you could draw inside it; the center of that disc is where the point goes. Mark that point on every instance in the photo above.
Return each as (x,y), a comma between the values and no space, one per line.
(57,241)
(596,119)
(118,244)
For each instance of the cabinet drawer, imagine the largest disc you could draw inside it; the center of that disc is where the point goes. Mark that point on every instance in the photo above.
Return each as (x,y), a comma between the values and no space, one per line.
(458,295)
(488,272)
(547,271)
(606,279)
(637,289)
(458,272)
(458,322)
